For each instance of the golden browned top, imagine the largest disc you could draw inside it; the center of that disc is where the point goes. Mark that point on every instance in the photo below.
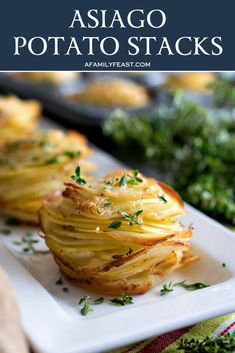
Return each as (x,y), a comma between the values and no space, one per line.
(15,112)
(190,80)
(48,77)
(43,148)
(114,93)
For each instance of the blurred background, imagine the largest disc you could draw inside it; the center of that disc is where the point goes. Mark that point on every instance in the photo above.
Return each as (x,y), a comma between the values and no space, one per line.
(179,127)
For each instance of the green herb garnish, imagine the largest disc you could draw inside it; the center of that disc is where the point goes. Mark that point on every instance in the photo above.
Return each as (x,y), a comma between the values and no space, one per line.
(191,286)
(59,281)
(115,225)
(86,309)
(222,344)
(27,243)
(5,231)
(98,301)
(107,204)
(123,181)
(133,179)
(224,264)
(16,242)
(125,300)
(85,301)
(167,288)
(162,198)
(133,219)
(72,154)
(77,177)
(108,187)
(52,160)
(69,154)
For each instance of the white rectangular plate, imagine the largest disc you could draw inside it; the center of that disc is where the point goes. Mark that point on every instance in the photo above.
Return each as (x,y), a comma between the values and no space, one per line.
(52,319)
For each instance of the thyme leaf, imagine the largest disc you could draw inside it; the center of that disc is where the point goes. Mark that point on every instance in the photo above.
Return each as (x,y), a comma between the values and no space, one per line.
(167,288)
(188,286)
(59,281)
(27,243)
(222,344)
(106,204)
(125,300)
(98,301)
(133,179)
(191,286)
(123,181)
(5,231)
(162,198)
(133,219)
(77,177)
(85,301)
(115,225)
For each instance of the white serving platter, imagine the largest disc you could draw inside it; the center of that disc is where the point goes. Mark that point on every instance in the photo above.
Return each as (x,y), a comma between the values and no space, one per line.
(51,317)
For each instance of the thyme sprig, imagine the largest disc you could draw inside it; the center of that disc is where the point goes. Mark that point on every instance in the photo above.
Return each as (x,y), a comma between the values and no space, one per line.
(87,304)
(69,154)
(191,286)
(124,300)
(222,344)
(59,281)
(133,179)
(77,177)
(162,198)
(115,225)
(27,243)
(169,287)
(5,231)
(107,204)
(85,301)
(132,218)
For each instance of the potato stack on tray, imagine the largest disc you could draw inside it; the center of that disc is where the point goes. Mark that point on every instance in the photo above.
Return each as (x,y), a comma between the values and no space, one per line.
(33,163)
(17,117)
(116,235)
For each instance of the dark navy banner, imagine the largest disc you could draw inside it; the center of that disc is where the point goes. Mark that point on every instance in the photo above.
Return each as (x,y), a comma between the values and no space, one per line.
(88,35)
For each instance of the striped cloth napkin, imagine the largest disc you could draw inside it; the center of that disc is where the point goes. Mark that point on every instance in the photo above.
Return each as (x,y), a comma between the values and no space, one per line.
(168,342)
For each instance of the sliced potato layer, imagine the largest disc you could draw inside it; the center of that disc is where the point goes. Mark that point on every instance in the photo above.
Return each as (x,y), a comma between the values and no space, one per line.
(118,234)
(32,167)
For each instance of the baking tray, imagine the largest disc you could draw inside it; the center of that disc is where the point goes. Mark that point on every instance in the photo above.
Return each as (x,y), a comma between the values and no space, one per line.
(55,102)
(54,97)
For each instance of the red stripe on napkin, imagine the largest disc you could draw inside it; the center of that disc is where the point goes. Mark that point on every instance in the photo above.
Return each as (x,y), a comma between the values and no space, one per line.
(134,347)
(163,341)
(228,329)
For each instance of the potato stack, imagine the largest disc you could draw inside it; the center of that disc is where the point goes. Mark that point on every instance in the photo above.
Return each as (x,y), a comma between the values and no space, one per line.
(114,93)
(48,77)
(17,118)
(33,166)
(116,235)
